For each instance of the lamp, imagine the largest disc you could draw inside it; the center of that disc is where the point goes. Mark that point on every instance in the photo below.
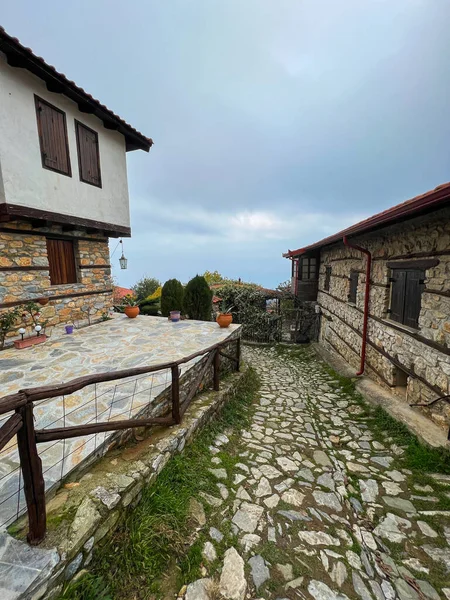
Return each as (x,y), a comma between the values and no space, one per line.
(122,260)
(22,331)
(38,329)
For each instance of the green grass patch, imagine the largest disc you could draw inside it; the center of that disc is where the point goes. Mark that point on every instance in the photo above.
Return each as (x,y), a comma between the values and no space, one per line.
(156,533)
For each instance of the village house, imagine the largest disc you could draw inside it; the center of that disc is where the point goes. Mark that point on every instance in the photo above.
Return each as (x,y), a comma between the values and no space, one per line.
(382,289)
(63,189)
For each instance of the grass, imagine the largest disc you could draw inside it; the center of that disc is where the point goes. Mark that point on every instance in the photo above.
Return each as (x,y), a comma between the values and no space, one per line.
(158,531)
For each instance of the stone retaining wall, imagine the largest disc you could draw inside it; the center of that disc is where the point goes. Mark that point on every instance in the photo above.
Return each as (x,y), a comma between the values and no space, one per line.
(25,254)
(86,509)
(423,354)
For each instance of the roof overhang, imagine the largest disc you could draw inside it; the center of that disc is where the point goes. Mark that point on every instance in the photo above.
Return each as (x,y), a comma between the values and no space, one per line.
(419,205)
(19,56)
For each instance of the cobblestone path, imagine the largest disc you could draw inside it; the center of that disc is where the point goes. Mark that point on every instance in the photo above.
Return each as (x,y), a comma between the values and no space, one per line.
(320,505)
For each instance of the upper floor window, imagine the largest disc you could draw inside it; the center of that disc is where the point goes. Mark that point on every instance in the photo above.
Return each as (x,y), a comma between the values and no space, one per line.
(406,296)
(326,285)
(354,277)
(308,269)
(52,130)
(88,155)
(61,261)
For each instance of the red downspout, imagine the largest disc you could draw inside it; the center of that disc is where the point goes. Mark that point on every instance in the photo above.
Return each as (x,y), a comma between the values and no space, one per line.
(366,302)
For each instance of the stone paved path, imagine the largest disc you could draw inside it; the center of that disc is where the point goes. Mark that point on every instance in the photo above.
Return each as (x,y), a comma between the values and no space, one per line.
(321,509)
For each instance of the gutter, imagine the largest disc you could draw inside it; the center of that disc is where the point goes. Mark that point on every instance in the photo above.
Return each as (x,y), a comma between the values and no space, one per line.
(366,301)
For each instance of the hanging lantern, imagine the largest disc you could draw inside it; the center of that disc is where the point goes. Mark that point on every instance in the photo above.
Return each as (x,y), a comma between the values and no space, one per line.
(122,260)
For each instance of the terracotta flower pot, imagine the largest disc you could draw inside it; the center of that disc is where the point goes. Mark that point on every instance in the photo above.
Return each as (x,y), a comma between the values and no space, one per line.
(43,301)
(224,319)
(132,311)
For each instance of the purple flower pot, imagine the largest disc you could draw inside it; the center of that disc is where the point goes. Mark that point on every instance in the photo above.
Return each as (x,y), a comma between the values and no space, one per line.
(69,328)
(175,316)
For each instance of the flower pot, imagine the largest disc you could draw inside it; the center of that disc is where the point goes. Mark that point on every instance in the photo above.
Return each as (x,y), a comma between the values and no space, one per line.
(69,328)
(132,311)
(224,319)
(31,341)
(43,301)
(175,316)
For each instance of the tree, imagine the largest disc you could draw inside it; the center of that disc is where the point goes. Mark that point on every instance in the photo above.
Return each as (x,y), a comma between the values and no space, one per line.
(197,299)
(171,297)
(145,287)
(213,277)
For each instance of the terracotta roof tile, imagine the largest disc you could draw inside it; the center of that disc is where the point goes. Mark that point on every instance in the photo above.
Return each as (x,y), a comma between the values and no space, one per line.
(431,200)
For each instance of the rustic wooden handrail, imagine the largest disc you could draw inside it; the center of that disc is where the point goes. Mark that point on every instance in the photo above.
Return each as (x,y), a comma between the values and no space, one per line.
(21,423)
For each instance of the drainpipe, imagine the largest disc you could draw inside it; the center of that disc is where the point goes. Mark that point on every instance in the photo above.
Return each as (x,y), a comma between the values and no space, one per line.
(366,301)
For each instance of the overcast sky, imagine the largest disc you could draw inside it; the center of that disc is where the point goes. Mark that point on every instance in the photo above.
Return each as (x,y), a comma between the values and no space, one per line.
(275,123)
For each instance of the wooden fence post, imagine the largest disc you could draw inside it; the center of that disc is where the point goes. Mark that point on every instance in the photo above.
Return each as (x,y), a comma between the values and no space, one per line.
(33,479)
(217,370)
(176,394)
(238,354)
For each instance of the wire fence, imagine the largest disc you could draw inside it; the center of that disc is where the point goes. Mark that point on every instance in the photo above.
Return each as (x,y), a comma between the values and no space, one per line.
(76,420)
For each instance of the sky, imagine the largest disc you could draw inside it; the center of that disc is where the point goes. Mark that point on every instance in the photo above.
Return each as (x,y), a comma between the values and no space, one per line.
(275,122)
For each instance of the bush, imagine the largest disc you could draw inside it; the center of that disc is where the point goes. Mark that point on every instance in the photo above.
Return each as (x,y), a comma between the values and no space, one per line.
(197,299)
(150,306)
(171,297)
(145,287)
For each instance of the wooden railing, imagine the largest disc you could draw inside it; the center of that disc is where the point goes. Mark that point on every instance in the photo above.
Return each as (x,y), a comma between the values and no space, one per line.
(21,423)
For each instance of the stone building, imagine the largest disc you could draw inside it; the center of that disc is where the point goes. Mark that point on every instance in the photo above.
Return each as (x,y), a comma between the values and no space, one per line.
(395,323)
(63,189)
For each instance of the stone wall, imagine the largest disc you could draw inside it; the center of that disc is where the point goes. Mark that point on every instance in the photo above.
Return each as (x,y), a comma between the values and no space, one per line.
(83,512)
(394,350)
(24,275)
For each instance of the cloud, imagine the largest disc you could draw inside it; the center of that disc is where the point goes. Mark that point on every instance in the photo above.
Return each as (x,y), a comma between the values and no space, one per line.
(275,123)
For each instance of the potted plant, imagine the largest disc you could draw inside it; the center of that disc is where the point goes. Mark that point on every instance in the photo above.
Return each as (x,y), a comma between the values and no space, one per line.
(225,318)
(131,306)
(7,321)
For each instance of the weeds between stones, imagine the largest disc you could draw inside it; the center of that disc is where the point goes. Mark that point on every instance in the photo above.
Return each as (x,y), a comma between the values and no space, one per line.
(157,532)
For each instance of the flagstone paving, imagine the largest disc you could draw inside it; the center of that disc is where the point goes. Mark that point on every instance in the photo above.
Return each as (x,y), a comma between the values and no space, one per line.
(319,507)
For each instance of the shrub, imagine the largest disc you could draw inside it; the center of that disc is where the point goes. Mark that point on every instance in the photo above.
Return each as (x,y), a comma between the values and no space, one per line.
(145,287)
(197,299)
(150,306)
(171,297)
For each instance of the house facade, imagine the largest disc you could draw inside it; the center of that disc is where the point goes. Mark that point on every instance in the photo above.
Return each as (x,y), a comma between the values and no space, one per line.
(383,291)
(63,189)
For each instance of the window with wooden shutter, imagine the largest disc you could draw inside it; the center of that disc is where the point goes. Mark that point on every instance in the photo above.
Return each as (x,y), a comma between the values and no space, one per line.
(326,285)
(61,261)
(88,155)
(406,296)
(52,130)
(354,276)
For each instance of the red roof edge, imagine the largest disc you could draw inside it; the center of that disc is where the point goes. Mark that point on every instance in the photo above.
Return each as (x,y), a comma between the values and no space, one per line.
(431,200)
(19,55)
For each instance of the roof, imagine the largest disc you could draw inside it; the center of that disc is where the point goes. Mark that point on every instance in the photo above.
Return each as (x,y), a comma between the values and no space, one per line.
(20,56)
(432,200)
(120,292)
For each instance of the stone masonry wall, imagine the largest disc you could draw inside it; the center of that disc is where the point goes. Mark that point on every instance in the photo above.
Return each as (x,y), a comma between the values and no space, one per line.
(25,254)
(424,354)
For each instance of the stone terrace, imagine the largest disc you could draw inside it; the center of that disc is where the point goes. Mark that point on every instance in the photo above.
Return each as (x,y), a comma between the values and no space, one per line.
(109,346)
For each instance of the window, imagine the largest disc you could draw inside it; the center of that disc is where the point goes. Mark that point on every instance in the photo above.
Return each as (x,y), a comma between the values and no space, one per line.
(308,269)
(61,260)
(52,130)
(406,295)
(88,155)
(354,276)
(326,285)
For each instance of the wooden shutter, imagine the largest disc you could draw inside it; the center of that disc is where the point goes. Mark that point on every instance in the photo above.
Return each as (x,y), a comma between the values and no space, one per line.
(88,155)
(397,308)
(61,260)
(52,130)
(327,278)
(354,276)
(413,297)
